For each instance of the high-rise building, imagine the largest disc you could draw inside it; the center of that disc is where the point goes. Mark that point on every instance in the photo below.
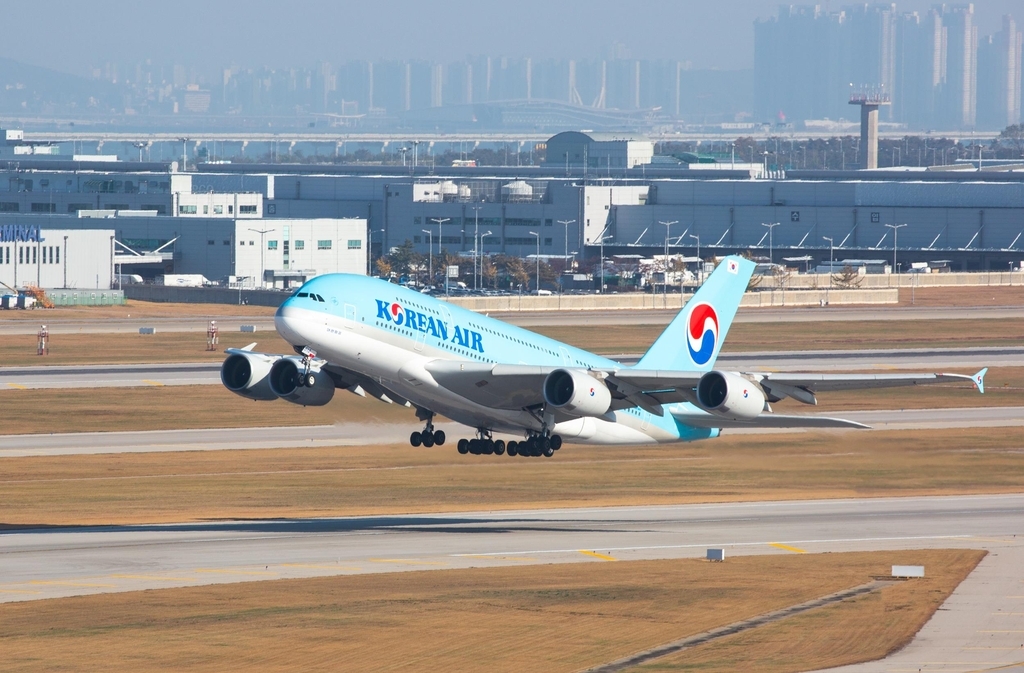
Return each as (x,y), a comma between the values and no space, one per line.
(959,92)
(999,77)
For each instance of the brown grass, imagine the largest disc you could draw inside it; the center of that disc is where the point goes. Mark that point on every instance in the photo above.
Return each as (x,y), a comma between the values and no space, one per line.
(537,618)
(141,309)
(366,480)
(212,406)
(963,296)
(862,629)
(191,346)
(786,336)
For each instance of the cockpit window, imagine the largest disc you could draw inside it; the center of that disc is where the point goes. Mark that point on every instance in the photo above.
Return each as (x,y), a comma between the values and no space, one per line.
(302,295)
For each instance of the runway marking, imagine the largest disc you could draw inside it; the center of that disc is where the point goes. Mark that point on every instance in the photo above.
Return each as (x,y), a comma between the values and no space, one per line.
(72,584)
(153,577)
(1000,631)
(413,562)
(19,591)
(786,547)
(729,544)
(152,383)
(517,559)
(603,557)
(18,386)
(234,572)
(313,565)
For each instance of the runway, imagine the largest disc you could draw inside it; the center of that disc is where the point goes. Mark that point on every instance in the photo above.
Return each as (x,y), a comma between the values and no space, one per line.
(599,317)
(188,374)
(363,434)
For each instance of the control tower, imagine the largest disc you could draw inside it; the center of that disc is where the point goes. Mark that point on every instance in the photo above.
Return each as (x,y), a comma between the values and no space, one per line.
(869,104)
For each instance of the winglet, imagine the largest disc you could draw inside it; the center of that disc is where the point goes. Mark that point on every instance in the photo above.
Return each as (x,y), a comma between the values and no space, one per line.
(979,380)
(249,347)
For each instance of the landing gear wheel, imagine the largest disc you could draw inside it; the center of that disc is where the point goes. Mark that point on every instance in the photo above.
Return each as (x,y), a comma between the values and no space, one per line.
(548,452)
(544,444)
(488,447)
(428,439)
(534,447)
(556,442)
(513,448)
(439,437)
(474,447)
(415,439)
(309,380)
(499,448)
(463,446)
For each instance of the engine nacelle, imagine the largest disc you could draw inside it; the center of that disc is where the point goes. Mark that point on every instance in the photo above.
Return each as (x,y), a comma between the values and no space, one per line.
(577,392)
(248,375)
(730,396)
(286,382)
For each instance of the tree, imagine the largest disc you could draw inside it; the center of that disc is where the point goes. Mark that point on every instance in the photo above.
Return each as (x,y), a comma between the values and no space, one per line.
(1015,135)
(847,279)
(383,267)
(404,260)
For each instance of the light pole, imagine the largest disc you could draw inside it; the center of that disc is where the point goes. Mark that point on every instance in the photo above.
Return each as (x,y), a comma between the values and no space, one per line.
(537,235)
(430,255)
(476,247)
(668,227)
(565,250)
(480,244)
(771,241)
(600,284)
(440,221)
(184,154)
(831,266)
(700,262)
(895,234)
(263,252)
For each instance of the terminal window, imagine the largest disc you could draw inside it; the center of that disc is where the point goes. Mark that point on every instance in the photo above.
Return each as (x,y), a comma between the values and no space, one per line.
(324,244)
(246,209)
(9,206)
(186,210)
(355,244)
(300,245)
(271,245)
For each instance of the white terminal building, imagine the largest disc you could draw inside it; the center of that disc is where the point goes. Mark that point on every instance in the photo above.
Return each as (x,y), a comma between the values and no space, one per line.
(56,257)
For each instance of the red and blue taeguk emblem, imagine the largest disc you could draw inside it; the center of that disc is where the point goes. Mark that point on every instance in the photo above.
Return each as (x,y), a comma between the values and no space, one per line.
(702,333)
(397,314)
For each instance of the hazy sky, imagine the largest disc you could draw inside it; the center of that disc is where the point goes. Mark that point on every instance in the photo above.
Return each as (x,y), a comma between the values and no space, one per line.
(74,36)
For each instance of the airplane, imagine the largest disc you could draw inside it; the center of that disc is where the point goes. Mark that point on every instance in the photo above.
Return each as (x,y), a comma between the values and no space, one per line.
(371,337)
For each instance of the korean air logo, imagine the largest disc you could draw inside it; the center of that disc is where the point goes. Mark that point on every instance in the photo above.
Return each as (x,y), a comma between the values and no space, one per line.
(397,314)
(746,393)
(592,392)
(702,333)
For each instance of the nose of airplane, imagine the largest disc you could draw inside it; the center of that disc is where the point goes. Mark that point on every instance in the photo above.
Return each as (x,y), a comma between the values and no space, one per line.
(292,323)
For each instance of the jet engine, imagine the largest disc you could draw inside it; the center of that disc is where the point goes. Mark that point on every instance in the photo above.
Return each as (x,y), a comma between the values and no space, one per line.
(730,396)
(289,381)
(248,374)
(577,392)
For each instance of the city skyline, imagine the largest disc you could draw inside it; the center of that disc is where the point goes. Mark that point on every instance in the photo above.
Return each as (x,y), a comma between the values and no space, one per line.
(211,36)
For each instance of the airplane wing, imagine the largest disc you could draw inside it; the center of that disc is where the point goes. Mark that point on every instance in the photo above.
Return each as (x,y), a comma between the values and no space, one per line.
(700,419)
(802,387)
(504,386)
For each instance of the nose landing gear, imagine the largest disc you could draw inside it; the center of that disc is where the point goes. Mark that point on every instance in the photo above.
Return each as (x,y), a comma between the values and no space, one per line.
(429,436)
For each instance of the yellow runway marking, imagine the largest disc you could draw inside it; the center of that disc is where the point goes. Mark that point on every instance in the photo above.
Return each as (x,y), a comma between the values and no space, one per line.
(18,386)
(152,383)
(19,591)
(779,545)
(71,584)
(313,565)
(413,562)
(603,557)
(234,572)
(517,559)
(153,577)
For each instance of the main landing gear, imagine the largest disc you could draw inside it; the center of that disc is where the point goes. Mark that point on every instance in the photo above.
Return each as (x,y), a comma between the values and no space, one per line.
(429,437)
(536,445)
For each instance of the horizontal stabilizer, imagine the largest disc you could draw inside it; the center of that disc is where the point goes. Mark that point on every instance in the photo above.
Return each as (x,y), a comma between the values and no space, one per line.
(699,419)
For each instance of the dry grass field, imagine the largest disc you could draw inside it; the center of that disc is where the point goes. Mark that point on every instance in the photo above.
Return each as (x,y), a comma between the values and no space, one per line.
(142,309)
(366,480)
(537,618)
(191,346)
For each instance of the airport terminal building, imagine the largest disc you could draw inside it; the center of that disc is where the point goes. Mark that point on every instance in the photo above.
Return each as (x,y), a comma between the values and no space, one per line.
(974,219)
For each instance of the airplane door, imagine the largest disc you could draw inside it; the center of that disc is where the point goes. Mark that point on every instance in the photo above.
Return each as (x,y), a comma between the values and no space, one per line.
(420,339)
(350,316)
(645,421)
(566,360)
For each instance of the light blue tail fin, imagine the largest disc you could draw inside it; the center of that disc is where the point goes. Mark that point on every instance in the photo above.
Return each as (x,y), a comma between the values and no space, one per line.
(692,340)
